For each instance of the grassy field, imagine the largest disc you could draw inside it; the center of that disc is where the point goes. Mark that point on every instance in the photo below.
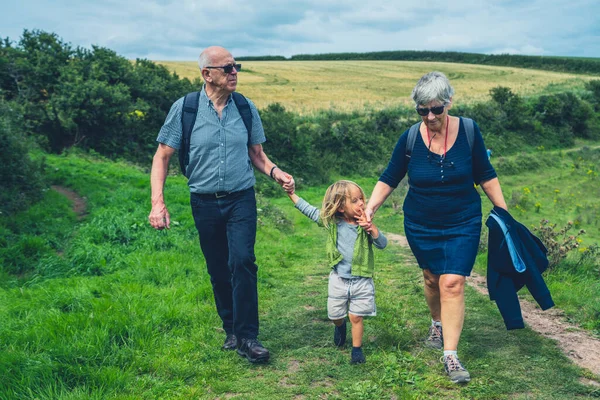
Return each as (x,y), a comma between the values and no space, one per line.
(106,307)
(306,86)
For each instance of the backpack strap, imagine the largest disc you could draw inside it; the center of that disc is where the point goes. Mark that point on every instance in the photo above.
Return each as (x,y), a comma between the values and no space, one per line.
(244,109)
(414,130)
(470,131)
(188,119)
(410,140)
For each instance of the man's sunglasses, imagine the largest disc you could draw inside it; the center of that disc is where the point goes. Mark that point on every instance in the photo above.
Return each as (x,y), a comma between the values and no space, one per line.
(422,111)
(228,68)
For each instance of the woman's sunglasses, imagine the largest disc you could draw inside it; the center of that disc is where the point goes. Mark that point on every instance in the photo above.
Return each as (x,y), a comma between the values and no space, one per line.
(422,111)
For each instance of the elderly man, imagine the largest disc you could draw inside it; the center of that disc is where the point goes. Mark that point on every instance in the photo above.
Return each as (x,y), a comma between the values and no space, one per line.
(222,150)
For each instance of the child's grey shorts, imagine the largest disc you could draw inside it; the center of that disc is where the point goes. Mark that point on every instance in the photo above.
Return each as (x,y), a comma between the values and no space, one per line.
(355,296)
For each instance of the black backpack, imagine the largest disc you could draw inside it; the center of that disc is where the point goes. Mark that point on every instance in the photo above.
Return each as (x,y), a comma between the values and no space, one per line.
(188,119)
(414,130)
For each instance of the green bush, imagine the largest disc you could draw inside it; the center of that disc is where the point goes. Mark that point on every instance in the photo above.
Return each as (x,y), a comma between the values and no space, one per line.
(93,99)
(558,242)
(21,178)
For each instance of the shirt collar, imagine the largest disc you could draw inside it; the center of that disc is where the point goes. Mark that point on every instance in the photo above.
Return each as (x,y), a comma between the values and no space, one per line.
(205,99)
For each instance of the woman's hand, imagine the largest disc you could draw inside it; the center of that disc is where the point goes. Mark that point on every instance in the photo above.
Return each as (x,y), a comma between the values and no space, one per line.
(369,214)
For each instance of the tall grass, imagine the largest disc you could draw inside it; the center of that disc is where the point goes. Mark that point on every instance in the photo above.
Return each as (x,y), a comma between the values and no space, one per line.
(113,309)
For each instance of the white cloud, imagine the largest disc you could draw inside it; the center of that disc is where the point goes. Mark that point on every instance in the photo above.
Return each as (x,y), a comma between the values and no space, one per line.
(169,29)
(526,49)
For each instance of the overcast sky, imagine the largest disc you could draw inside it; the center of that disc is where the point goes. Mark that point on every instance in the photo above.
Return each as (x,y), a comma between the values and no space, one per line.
(179,30)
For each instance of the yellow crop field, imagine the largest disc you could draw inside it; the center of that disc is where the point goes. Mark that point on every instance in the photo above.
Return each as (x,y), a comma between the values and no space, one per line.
(307,86)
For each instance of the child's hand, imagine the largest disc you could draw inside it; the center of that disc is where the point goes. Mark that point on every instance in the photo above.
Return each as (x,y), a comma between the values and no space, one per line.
(362,221)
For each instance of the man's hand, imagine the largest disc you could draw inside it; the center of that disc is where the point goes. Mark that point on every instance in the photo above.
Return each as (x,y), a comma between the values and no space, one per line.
(285,180)
(159,217)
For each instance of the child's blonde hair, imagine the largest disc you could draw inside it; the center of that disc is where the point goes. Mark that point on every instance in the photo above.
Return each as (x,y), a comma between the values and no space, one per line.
(335,198)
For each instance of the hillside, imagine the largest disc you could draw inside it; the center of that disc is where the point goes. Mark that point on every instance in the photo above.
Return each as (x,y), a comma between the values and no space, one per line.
(106,307)
(307,86)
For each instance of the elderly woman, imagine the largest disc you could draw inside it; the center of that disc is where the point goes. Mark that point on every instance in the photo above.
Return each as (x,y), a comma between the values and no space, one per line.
(442,210)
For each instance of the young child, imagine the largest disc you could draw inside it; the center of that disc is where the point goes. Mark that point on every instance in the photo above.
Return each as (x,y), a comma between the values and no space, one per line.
(349,248)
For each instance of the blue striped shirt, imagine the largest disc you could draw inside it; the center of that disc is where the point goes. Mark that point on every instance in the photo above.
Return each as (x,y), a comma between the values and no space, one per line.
(219,158)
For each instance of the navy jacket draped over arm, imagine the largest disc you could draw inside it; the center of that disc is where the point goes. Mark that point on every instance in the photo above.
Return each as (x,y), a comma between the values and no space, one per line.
(503,280)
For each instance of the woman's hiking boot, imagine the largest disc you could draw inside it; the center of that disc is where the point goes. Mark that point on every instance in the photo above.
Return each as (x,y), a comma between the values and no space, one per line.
(455,370)
(435,338)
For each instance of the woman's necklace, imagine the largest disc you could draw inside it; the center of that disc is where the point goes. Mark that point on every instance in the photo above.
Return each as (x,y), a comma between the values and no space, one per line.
(445,139)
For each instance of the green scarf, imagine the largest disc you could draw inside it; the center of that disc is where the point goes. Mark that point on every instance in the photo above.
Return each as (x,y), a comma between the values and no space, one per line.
(363,260)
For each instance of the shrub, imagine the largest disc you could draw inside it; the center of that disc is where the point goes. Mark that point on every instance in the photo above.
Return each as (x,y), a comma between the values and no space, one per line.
(21,178)
(590,256)
(559,243)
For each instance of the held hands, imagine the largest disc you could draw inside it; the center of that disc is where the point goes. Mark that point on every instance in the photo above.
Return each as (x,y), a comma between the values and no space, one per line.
(159,217)
(366,224)
(369,213)
(285,180)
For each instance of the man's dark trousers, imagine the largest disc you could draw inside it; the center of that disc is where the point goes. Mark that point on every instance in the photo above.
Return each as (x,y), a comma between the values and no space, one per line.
(227,230)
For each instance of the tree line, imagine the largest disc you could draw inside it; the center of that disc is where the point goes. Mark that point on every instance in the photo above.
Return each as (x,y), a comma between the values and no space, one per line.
(577,65)
(55,97)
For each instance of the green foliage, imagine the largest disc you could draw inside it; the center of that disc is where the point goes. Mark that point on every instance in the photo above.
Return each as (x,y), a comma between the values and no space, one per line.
(112,308)
(293,145)
(574,286)
(21,177)
(97,100)
(511,124)
(93,99)
(594,88)
(332,143)
(261,58)
(272,216)
(590,256)
(562,64)
(558,242)
(522,162)
(31,239)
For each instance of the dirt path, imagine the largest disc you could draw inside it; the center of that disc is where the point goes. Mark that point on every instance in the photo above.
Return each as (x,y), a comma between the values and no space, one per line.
(579,148)
(576,344)
(79,204)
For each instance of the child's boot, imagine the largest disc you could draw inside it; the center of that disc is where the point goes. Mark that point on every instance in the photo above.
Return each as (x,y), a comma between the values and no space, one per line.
(339,334)
(357,356)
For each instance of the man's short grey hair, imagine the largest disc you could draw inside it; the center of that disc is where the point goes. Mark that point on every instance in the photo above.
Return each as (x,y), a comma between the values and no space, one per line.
(204,60)
(432,86)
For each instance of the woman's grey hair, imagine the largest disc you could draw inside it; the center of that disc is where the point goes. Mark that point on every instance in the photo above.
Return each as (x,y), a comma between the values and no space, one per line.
(432,86)
(204,60)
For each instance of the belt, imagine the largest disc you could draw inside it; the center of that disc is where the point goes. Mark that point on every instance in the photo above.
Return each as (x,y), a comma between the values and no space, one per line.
(217,195)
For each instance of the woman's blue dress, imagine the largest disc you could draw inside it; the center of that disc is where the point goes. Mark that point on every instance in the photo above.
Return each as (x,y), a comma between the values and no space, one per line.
(442,210)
